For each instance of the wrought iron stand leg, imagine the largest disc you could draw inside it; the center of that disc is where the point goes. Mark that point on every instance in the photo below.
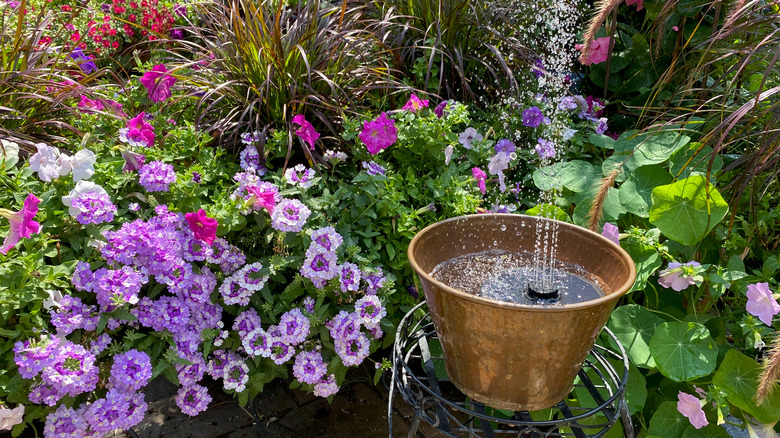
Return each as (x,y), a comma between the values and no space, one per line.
(415,424)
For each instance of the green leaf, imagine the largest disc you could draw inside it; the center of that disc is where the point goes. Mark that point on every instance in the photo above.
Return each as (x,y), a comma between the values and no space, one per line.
(668,422)
(549,211)
(602,141)
(687,210)
(634,326)
(683,351)
(738,377)
(647,261)
(574,175)
(711,430)
(635,193)
(693,160)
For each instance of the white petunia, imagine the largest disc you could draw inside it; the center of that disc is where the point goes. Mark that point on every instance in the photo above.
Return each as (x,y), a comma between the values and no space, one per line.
(83,164)
(48,163)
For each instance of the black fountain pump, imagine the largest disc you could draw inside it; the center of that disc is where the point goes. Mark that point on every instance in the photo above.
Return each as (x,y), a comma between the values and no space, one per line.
(550,296)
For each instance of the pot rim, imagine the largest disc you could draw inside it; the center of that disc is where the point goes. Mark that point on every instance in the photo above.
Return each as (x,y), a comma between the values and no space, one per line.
(619,292)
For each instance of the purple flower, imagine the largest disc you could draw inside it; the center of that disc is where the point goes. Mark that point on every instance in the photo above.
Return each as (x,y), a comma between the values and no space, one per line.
(610,231)
(378,134)
(250,158)
(118,286)
(374,280)
(193,399)
(157,83)
(319,267)
(71,370)
(308,304)
(372,168)
(250,277)
(294,327)
(177,34)
(349,277)
(33,356)
(538,68)
(192,373)
(690,406)
(545,149)
(246,321)
(130,371)
(156,176)
(95,208)
(306,132)
(133,161)
(195,177)
(118,410)
(300,176)
(505,146)
(138,132)
(281,352)
(235,375)
(326,387)
(370,310)
(568,103)
(533,117)
(761,303)
(325,239)
(65,422)
(469,136)
(441,109)
(309,367)
(257,343)
(601,126)
(72,314)
(289,215)
(353,351)
(679,276)
(85,62)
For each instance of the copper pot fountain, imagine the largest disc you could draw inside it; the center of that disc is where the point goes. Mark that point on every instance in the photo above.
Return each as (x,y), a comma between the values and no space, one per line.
(515,356)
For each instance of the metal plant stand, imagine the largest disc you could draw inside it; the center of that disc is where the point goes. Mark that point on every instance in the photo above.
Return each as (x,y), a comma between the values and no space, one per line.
(593,408)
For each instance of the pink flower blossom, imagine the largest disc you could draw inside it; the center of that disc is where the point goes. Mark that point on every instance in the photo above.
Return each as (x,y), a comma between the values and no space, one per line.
(262,199)
(138,132)
(306,132)
(690,406)
(480,176)
(379,133)
(22,223)
(679,276)
(761,303)
(157,83)
(597,53)
(11,417)
(133,161)
(415,104)
(610,231)
(204,227)
(639,4)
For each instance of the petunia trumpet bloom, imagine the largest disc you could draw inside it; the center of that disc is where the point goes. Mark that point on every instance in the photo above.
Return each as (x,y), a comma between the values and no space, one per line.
(378,134)
(11,417)
(481,177)
(22,223)
(596,53)
(679,276)
(610,231)
(138,132)
(415,104)
(761,303)
(133,161)
(158,83)
(690,406)
(306,131)
(83,164)
(204,227)
(49,163)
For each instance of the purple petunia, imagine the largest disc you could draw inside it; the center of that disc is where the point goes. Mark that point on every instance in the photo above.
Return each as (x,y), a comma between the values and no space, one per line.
(156,176)
(505,146)
(533,117)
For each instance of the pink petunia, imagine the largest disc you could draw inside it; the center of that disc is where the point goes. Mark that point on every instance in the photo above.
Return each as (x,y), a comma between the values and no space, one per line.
(690,406)
(306,131)
(415,104)
(610,231)
(22,223)
(158,83)
(639,4)
(597,53)
(761,303)
(262,198)
(678,276)
(481,177)
(138,132)
(204,227)
(379,133)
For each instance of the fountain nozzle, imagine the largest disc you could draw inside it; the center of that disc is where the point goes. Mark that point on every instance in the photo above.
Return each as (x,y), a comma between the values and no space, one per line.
(551,295)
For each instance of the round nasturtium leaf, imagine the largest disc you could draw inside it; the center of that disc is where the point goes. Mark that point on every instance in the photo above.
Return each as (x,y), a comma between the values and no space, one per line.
(634,326)
(687,210)
(683,351)
(635,193)
(738,377)
(711,430)
(668,422)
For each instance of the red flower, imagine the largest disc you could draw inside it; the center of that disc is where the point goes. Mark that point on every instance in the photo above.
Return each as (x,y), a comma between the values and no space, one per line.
(204,227)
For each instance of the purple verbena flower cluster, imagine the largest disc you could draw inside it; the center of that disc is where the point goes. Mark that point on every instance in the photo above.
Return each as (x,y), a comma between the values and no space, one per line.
(156,176)
(94,207)
(300,176)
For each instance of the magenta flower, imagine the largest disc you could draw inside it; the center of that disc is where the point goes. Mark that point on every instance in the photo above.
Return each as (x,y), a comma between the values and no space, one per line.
(639,4)
(262,198)
(157,83)
(480,176)
(596,53)
(679,276)
(22,223)
(138,132)
(761,303)
(415,104)
(306,132)
(379,134)
(204,227)
(690,406)
(610,231)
